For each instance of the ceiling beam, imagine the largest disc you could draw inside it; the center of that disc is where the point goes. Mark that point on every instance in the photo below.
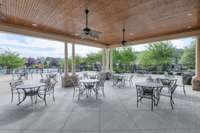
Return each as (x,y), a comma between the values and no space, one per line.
(191,33)
(52,36)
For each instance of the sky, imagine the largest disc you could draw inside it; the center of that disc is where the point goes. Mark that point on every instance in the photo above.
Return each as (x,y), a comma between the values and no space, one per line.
(36,47)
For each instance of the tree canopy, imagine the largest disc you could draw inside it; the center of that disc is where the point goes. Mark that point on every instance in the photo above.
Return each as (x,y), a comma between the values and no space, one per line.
(158,53)
(124,55)
(11,60)
(189,56)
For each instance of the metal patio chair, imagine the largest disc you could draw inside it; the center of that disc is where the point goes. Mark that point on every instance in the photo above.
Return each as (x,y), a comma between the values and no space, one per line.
(14,90)
(170,92)
(47,90)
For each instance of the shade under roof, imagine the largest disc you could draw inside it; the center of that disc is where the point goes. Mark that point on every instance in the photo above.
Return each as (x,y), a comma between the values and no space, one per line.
(143,19)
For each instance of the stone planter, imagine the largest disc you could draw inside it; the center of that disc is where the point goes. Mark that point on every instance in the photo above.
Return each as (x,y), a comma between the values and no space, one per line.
(67,81)
(196,84)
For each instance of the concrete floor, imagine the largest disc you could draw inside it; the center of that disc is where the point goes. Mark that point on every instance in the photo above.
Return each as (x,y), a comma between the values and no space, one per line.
(114,113)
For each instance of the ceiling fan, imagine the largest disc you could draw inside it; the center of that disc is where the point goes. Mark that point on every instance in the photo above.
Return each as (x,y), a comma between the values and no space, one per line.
(124,42)
(88,32)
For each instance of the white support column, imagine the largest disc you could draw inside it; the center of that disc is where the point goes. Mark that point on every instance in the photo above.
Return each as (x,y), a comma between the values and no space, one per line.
(103,59)
(107,60)
(111,60)
(196,79)
(198,58)
(66,60)
(73,60)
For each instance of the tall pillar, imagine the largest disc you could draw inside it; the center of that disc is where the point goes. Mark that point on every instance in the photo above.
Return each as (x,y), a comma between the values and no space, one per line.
(196,79)
(73,59)
(111,60)
(103,59)
(66,60)
(107,60)
(198,58)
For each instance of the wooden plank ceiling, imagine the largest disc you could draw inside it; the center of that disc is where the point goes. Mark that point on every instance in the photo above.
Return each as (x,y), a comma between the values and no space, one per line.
(142,18)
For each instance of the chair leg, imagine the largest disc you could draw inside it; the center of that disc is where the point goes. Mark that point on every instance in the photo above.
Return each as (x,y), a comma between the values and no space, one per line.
(102,89)
(35,99)
(53,96)
(11,96)
(171,102)
(184,90)
(79,96)
(31,99)
(137,100)
(74,93)
(19,97)
(45,101)
(152,103)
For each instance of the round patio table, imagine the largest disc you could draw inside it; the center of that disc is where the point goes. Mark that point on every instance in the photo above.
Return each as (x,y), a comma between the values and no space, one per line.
(119,79)
(147,84)
(29,89)
(152,88)
(88,80)
(89,85)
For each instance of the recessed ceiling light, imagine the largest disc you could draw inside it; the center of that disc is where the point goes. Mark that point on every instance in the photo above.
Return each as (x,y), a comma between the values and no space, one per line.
(34,25)
(76,34)
(189,27)
(189,14)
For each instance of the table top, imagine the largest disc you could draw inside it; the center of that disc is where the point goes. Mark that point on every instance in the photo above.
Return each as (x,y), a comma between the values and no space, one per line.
(120,75)
(149,84)
(30,85)
(167,78)
(88,80)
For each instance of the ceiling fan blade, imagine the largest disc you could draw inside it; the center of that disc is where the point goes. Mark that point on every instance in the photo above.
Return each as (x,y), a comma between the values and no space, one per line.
(95,34)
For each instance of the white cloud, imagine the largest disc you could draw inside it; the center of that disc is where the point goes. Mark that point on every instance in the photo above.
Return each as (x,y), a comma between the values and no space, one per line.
(37,47)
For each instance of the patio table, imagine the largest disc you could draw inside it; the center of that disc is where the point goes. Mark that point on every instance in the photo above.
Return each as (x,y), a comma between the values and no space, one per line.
(89,85)
(153,88)
(118,79)
(151,85)
(30,89)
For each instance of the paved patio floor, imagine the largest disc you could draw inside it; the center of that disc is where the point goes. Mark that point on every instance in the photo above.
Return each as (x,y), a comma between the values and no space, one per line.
(114,113)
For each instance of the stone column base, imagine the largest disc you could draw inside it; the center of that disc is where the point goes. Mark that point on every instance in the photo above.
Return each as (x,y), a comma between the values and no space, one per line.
(196,84)
(67,81)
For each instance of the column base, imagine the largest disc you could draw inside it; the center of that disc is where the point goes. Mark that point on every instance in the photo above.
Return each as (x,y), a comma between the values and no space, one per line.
(196,84)
(67,80)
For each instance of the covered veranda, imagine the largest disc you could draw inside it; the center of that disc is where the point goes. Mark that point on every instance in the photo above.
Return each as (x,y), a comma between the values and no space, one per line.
(145,22)
(168,20)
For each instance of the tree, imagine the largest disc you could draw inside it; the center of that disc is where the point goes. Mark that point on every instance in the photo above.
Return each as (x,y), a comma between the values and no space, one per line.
(189,56)
(30,62)
(123,58)
(93,58)
(11,60)
(128,56)
(157,54)
(54,62)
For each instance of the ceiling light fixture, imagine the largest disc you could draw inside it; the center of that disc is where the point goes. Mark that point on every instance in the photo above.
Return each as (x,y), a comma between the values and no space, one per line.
(189,14)
(34,25)
(189,27)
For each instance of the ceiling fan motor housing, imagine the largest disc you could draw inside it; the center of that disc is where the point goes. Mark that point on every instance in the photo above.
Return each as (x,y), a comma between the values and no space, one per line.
(86,30)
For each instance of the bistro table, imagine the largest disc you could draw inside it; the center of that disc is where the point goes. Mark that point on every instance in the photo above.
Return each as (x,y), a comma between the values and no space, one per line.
(119,80)
(90,84)
(30,89)
(149,87)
